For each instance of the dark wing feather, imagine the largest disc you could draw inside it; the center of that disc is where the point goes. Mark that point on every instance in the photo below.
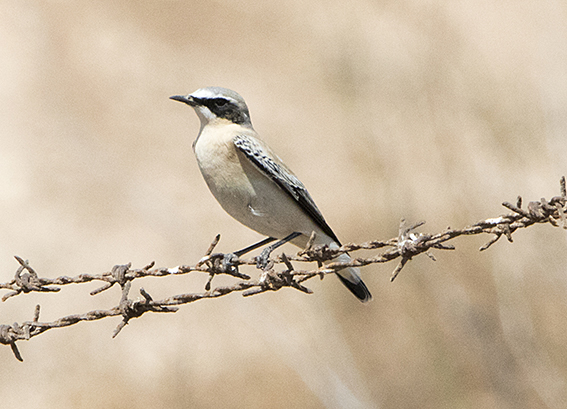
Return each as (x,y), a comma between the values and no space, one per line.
(283,177)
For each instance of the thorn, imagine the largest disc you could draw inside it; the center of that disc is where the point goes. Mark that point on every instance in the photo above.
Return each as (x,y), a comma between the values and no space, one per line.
(208,285)
(516,209)
(430,255)
(398,268)
(16,352)
(310,242)
(36,313)
(213,245)
(119,328)
(287,262)
(145,295)
(491,241)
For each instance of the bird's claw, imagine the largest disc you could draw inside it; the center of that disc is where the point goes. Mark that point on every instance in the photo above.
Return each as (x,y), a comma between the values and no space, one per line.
(263,261)
(223,262)
(229,263)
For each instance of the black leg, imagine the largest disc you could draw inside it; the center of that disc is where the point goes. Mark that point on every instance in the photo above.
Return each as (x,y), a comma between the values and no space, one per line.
(229,258)
(262,260)
(253,246)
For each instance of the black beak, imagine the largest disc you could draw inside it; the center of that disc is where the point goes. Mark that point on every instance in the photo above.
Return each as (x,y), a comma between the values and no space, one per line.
(185,99)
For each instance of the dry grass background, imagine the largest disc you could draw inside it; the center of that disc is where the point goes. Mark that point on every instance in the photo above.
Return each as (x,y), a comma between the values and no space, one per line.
(435,110)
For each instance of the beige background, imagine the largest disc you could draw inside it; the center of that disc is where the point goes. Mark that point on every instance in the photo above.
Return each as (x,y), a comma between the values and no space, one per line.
(435,110)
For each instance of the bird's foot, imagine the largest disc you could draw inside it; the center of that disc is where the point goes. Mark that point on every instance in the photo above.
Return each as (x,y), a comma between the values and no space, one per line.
(230,262)
(224,263)
(263,261)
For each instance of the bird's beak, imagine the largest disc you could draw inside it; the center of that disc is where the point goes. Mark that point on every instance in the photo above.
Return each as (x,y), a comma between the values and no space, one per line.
(185,99)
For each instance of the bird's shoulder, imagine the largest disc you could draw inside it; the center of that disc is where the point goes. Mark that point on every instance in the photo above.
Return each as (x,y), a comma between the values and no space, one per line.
(263,157)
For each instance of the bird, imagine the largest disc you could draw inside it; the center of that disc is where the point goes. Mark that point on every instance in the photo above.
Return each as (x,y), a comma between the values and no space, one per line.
(252,183)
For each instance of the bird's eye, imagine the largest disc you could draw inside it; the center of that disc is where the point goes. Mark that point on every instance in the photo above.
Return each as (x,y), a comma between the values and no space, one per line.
(220,102)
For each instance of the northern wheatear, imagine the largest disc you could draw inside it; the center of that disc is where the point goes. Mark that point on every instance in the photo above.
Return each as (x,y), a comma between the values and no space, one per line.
(252,183)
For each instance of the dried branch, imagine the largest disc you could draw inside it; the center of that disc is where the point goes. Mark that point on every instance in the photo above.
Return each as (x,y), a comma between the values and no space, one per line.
(407,245)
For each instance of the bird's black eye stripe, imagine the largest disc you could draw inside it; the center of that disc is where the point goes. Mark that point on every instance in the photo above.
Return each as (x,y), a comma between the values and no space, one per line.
(220,102)
(225,108)
(216,104)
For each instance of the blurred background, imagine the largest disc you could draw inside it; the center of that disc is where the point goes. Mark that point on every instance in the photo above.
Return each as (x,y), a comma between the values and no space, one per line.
(435,110)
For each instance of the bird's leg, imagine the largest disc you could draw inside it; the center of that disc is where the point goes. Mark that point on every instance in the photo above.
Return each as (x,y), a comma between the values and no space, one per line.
(262,259)
(229,258)
(253,246)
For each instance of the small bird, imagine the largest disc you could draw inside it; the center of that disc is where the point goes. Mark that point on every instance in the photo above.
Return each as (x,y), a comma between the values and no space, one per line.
(252,183)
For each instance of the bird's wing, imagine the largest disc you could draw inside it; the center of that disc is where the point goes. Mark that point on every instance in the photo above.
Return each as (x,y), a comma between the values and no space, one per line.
(272,166)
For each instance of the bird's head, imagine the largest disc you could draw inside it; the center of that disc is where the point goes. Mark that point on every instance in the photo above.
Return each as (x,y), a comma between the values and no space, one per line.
(216,104)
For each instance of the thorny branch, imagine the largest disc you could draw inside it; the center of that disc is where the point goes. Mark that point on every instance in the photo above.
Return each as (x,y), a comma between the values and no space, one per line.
(407,245)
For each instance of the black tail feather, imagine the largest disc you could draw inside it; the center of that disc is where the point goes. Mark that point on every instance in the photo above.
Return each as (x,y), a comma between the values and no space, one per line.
(358,289)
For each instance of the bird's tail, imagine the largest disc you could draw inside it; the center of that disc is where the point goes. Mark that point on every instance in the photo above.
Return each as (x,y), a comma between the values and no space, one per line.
(350,277)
